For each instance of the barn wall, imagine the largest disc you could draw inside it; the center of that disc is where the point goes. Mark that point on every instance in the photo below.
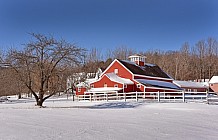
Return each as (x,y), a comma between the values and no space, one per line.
(122,72)
(193,89)
(130,88)
(82,90)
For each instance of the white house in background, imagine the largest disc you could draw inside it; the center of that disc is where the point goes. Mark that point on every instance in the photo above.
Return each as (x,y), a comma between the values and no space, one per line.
(79,82)
(213,83)
(191,86)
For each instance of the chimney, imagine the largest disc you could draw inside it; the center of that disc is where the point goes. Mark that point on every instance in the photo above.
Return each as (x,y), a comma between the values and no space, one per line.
(138,59)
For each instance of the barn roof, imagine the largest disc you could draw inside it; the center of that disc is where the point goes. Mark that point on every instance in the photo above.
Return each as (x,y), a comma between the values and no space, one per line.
(157,83)
(214,80)
(146,70)
(190,84)
(115,78)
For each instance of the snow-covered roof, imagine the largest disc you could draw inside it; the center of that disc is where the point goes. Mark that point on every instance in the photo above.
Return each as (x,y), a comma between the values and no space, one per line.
(115,78)
(151,65)
(104,89)
(214,80)
(190,84)
(82,84)
(157,83)
(86,83)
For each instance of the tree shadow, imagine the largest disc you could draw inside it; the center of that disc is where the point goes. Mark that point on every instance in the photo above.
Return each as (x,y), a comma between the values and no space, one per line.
(117,105)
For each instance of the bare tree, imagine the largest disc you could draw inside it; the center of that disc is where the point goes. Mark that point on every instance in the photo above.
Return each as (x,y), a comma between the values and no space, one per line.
(41,64)
(8,80)
(122,52)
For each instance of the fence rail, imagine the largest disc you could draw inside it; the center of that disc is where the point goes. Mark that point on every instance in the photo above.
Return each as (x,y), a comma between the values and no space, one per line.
(154,96)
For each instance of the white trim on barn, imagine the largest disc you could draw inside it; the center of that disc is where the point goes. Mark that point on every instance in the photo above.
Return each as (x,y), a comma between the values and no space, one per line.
(104,90)
(115,60)
(168,79)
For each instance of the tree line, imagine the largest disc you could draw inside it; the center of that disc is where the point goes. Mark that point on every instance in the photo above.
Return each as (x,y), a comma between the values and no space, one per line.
(199,61)
(42,67)
(190,62)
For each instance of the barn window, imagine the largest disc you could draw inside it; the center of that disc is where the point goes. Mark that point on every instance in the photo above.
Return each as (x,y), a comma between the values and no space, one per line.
(79,89)
(116,85)
(92,85)
(116,71)
(189,90)
(125,86)
(138,85)
(105,85)
(195,90)
(211,84)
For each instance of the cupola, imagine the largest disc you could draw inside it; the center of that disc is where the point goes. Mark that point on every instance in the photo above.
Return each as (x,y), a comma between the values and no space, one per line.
(138,59)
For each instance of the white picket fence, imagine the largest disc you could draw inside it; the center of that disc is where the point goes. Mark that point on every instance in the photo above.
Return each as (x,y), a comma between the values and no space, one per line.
(151,96)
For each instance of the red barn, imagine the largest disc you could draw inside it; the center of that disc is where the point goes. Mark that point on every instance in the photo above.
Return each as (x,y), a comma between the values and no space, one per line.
(81,88)
(190,86)
(134,75)
(214,84)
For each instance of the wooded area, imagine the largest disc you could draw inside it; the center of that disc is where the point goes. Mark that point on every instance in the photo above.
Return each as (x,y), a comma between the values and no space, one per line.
(45,63)
(199,61)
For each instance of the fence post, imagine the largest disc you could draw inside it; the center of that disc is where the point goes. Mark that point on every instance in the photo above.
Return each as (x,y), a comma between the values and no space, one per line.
(158,96)
(107,97)
(136,96)
(125,97)
(90,98)
(144,95)
(183,96)
(207,97)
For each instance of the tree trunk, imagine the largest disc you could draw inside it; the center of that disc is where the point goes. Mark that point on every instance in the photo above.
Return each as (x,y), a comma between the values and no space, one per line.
(40,99)
(19,95)
(39,102)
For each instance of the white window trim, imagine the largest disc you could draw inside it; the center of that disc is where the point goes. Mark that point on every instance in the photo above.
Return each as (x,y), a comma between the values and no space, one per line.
(79,89)
(116,71)
(105,84)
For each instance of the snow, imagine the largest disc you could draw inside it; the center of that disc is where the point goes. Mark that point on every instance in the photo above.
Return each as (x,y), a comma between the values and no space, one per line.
(115,78)
(82,84)
(131,62)
(64,119)
(214,80)
(86,83)
(150,65)
(190,84)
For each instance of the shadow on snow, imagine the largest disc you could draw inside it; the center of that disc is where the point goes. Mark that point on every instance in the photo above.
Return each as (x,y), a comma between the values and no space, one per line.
(117,105)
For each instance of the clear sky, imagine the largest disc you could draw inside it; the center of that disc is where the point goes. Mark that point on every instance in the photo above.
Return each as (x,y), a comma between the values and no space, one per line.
(106,24)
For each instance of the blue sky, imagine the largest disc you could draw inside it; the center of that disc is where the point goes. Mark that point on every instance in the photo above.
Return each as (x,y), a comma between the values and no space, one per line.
(106,24)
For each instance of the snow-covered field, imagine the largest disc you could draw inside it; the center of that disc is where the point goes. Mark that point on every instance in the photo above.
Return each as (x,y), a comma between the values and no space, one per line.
(66,120)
